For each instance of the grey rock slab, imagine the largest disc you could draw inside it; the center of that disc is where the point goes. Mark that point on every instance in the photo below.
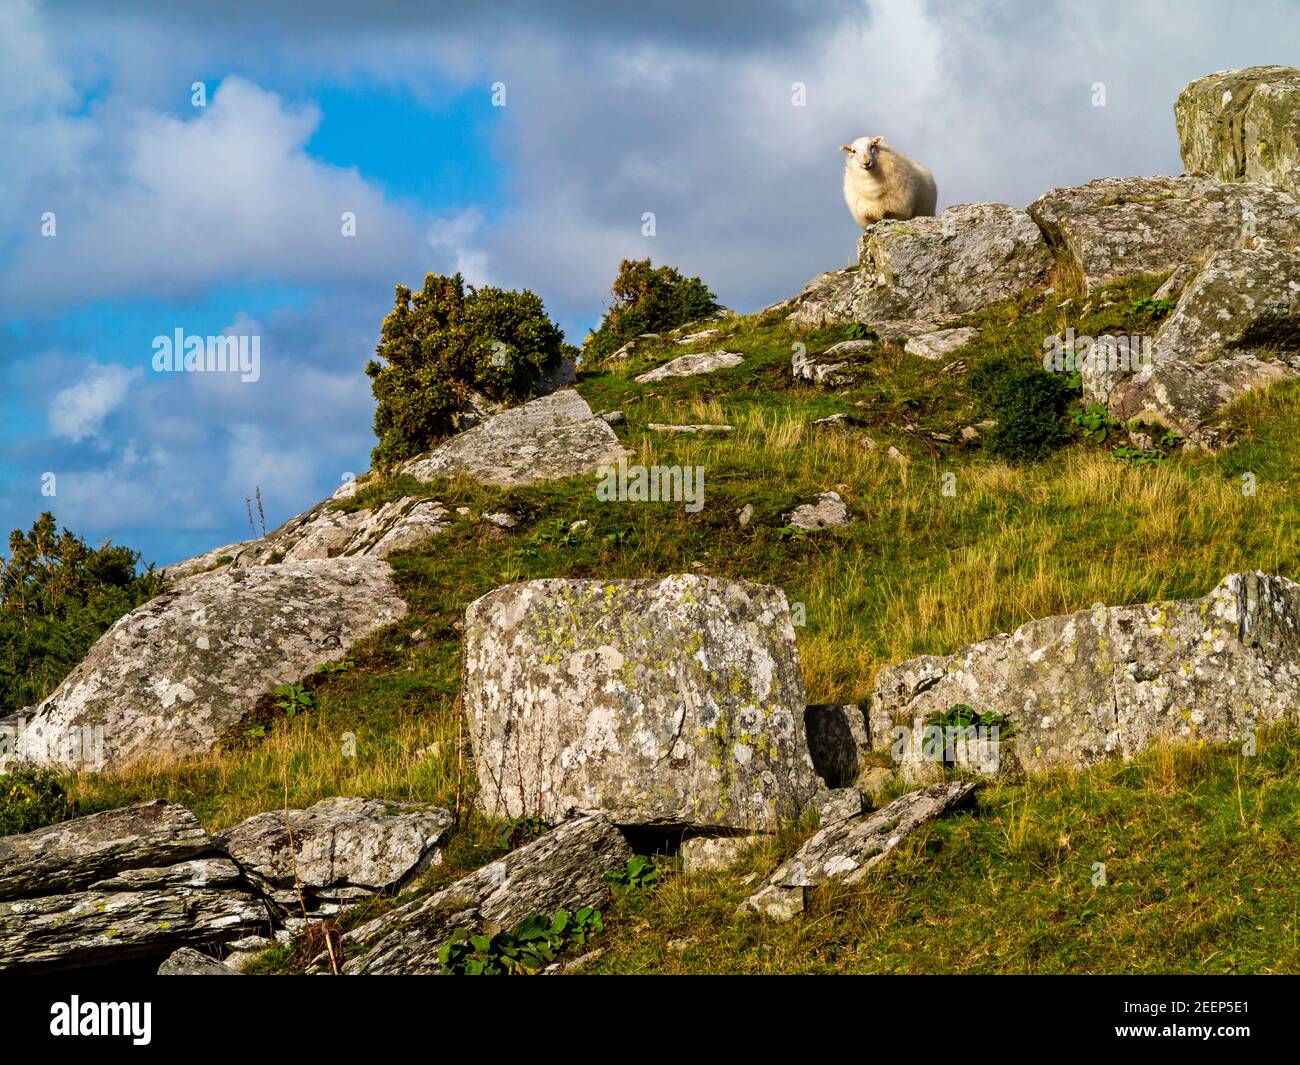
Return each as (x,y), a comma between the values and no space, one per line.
(1114,228)
(553,437)
(674,702)
(565,869)
(940,344)
(77,853)
(713,854)
(848,849)
(830,511)
(691,366)
(1103,683)
(169,678)
(341,847)
(189,962)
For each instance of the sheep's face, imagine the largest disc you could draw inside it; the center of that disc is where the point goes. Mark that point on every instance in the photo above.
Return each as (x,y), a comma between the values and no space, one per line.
(864,151)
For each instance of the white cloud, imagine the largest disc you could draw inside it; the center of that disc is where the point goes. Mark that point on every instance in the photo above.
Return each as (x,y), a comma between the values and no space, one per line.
(78,411)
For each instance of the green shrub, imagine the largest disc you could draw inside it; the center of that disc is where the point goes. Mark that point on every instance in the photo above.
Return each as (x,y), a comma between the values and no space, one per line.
(648,299)
(57,597)
(531,945)
(1027,403)
(441,345)
(31,799)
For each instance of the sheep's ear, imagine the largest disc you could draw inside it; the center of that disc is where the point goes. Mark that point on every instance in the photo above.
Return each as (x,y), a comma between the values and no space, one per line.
(847,148)
(876,142)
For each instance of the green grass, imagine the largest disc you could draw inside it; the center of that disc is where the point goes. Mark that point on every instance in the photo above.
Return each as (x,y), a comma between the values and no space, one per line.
(1196,844)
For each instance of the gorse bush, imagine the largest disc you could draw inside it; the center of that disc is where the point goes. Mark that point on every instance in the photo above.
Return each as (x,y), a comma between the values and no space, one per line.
(57,597)
(31,799)
(648,299)
(1028,404)
(442,345)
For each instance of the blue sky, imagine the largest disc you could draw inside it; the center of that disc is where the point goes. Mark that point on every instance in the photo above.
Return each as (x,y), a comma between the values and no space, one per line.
(226,218)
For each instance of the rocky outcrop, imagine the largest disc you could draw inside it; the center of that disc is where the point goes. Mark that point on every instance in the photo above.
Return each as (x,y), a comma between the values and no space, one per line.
(825,371)
(1107,682)
(338,850)
(713,854)
(1243,125)
(830,511)
(931,269)
(1113,228)
(691,365)
(174,674)
(941,343)
(563,870)
(130,883)
(674,702)
(1236,328)
(847,849)
(552,437)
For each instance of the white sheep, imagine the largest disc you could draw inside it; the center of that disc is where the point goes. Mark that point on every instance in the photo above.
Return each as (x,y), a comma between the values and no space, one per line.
(880,182)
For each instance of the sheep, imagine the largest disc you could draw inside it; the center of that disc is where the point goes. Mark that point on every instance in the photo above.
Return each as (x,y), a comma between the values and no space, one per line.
(880,182)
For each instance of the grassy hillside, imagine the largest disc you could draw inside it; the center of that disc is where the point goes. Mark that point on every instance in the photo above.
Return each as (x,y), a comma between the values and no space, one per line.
(1197,843)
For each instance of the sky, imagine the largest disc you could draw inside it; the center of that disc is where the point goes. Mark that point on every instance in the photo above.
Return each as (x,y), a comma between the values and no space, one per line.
(190,166)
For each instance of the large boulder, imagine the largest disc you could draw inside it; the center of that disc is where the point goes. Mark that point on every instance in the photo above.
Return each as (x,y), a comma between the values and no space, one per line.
(931,269)
(674,702)
(565,869)
(1116,227)
(1243,125)
(848,848)
(1236,328)
(691,365)
(189,962)
(1107,682)
(169,678)
(136,882)
(340,849)
(545,439)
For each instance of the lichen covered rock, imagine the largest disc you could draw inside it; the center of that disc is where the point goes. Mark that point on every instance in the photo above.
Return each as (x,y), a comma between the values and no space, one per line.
(169,678)
(691,365)
(1108,682)
(674,702)
(1243,125)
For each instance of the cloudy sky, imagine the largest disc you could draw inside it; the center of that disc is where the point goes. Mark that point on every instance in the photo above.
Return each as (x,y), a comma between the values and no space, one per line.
(127,211)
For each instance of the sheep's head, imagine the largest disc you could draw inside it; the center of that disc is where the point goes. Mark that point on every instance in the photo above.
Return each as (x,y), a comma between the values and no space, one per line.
(865,151)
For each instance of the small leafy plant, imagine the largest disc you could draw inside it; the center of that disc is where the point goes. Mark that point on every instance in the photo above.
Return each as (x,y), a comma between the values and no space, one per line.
(531,945)
(292,698)
(31,799)
(1096,422)
(639,874)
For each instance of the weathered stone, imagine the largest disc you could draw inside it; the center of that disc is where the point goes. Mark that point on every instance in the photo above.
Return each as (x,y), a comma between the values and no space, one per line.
(837,741)
(1111,360)
(1173,285)
(825,300)
(693,430)
(96,927)
(712,854)
(823,374)
(189,962)
(695,338)
(674,702)
(613,417)
(846,850)
(830,511)
(940,344)
(549,438)
(168,679)
(340,847)
(1243,125)
(835,421)
(1108,682)
(197,872)
(691,366)
(563,870)
(75,854)
(841,804)
(1124,227)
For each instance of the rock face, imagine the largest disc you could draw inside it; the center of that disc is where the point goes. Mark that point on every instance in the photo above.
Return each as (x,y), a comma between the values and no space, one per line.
(1081,687)
(129,883)
(691,365)
(1243,125)
(171,676)
(711,854)
(1235,328)
(674,702)
(849,848)
(563,870)
(830,511)
(545,439)
(1123,227)
(837,740)
(823,373)
(339,849)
